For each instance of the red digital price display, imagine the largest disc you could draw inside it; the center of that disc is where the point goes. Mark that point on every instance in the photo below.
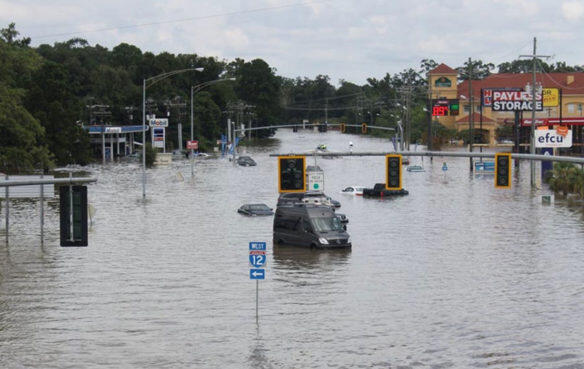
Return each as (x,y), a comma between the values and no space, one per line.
(439,110)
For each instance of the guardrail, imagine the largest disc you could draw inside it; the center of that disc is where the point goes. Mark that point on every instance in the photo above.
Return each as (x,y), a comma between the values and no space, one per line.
(566,159)
(7,183)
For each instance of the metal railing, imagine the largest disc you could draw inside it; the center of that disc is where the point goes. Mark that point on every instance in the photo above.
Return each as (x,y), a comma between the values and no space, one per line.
(566,159)
(7,183)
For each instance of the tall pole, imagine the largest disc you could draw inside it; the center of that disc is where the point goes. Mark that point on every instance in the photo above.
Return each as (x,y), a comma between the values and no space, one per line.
(533,102)
(144,139)
(470,112)
(481,121)
(192,134)
(532,138)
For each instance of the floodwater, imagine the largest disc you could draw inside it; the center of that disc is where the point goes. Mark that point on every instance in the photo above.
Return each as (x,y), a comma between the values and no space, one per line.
(456,275)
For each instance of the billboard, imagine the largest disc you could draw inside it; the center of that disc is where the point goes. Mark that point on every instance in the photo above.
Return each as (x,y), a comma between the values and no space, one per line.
(510,99)
(551,97)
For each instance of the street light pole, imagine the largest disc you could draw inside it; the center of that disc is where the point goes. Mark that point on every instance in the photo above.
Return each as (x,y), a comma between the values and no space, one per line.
(194,90)
(153,80)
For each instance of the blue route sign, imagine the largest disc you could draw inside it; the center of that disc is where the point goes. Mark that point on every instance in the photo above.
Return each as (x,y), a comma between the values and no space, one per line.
(257,274)
(257,246)
(257,260)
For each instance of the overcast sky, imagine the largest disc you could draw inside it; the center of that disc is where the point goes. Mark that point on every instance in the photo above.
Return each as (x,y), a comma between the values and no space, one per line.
(344,39)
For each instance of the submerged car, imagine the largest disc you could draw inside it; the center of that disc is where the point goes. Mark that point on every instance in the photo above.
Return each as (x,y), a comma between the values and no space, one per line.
(246,161)
(255,210)
(353,190)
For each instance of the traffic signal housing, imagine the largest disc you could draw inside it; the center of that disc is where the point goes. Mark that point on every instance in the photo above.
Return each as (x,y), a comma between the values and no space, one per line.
(393,171)
(364,128)
(291,174)
(343,128)
(502,170)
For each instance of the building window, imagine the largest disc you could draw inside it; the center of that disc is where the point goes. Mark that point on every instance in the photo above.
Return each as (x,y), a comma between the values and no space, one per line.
(467,108)
(575,108)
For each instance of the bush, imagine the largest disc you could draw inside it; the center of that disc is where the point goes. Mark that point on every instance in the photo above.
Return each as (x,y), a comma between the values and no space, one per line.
(567,178)
(150,155)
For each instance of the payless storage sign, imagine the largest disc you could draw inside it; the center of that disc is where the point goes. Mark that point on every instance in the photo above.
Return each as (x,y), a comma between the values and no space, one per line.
(551,138)
(506,100)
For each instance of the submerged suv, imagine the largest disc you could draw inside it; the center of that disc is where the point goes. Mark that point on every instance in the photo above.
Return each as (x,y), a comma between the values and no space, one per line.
(310,225)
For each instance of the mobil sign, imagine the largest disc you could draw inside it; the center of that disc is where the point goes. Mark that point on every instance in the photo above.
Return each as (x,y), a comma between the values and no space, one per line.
(553,138)
(511,99)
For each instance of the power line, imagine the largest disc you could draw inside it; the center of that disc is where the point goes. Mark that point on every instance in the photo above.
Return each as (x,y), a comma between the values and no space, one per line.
(180,20)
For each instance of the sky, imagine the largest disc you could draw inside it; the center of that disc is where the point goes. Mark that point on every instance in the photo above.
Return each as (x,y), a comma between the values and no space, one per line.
(348,40)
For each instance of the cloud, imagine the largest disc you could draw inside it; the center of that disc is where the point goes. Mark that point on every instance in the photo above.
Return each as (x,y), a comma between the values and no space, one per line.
(572,10)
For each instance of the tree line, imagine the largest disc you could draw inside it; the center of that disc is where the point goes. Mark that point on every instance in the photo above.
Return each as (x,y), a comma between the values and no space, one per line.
(50,92)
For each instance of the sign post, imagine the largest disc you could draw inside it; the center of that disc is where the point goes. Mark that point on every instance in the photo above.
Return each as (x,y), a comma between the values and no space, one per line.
(257,259)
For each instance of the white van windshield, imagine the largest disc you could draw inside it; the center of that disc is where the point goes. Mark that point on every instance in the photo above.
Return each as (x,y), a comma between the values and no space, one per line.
(326,224)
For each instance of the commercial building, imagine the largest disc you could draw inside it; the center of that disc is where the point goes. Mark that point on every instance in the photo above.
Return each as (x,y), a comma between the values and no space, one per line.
(561,102)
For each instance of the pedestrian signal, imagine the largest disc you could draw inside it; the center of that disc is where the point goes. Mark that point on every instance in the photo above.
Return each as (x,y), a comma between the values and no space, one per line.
(393,168)
(503,170)
(364,128)
(291,174)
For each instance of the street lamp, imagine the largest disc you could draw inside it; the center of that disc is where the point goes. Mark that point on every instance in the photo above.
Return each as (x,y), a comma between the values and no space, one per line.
(194,90)
(152,81)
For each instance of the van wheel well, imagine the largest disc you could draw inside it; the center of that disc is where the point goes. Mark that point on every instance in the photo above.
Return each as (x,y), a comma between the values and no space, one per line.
(313,245)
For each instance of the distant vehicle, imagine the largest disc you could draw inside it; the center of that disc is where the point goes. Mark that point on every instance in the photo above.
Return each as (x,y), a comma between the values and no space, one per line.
(255,210)
(321,147)
(353,190)
(246,161)
(344,220)
(309,225)
(179,154)
(415,168)
(379,190)
(333,202)
(309,197)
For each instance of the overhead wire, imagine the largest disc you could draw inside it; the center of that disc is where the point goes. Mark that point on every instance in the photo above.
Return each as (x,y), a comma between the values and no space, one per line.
(181,20)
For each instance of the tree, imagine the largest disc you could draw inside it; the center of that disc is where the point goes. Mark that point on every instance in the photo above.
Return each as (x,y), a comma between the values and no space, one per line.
(258,85)
(21,136)
(52,101)
(478,70)
(9,35)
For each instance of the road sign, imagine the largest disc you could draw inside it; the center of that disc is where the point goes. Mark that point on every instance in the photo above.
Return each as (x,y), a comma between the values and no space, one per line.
(256,259)
(316,180)
(257,274)
(193,145)
(257,246)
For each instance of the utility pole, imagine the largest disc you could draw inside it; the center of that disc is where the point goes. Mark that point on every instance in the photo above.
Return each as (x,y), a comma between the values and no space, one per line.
(470,112)
(533,95)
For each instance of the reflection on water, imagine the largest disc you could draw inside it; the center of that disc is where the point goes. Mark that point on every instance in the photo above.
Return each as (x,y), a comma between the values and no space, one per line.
(455,275)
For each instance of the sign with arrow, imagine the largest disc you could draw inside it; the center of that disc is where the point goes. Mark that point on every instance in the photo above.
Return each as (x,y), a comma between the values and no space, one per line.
(257,274)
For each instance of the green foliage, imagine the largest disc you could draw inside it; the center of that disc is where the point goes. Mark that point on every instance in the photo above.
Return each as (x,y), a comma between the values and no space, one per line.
(150,155)
(476,69)
(21,136)
(567,178)
(53,102)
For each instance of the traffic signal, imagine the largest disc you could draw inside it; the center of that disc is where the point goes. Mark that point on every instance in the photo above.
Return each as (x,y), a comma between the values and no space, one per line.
(503,170)
(393,168)
(343,128)
(364,128)
(291,174)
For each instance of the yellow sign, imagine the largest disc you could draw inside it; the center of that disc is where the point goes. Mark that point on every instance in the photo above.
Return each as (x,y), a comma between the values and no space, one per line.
(551,97)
